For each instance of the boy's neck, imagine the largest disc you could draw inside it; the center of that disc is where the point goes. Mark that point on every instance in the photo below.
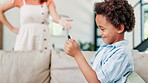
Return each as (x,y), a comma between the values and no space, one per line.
(119,38)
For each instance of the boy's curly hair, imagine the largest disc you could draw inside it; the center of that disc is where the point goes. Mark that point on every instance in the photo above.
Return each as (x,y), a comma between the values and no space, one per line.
(117,12)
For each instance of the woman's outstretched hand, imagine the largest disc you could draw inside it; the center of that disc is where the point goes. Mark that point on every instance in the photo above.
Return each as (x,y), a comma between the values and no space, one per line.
(65,22)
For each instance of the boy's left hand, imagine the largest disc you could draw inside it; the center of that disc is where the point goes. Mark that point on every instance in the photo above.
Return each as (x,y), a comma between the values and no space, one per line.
(72,48)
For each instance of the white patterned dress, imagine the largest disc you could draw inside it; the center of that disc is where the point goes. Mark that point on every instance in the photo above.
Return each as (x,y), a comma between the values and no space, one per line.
(34,30)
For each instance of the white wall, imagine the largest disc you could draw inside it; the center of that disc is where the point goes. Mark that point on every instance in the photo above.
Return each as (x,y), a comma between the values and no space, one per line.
(137,33)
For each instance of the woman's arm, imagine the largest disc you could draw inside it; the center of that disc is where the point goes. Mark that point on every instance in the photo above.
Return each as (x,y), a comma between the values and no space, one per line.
(3,8)
(72,49)
(58,19)
(54,15)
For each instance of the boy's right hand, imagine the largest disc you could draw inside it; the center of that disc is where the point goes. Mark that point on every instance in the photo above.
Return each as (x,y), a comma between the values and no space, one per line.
(15,30)
(72,48)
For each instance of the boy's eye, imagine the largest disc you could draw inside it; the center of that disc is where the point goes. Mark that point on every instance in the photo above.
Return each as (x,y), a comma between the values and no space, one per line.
(102,29)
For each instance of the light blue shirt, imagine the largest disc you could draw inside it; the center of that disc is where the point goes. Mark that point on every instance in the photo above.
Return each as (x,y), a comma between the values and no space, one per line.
(115,64)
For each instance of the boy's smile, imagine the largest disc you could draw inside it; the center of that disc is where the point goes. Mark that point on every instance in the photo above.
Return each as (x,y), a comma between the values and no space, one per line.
(109,33)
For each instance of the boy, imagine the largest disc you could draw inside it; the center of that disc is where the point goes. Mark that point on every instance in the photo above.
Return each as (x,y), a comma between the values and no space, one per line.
(112,62)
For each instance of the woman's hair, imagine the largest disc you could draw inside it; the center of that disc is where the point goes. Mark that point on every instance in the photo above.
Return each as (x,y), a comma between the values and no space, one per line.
(42,1)
(117,12)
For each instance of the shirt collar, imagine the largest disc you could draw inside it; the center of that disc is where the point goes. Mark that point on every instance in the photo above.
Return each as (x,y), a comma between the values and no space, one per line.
(117,44)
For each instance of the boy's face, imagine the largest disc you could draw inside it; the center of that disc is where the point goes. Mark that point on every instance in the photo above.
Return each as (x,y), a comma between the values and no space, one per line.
(107,31)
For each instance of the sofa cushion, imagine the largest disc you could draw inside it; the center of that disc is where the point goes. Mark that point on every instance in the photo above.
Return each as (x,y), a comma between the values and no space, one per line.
(24,67)
(134,78)
(140,63)
(64,68)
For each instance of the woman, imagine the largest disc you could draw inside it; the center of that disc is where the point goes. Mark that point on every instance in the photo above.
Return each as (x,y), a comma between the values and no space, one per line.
(34,31)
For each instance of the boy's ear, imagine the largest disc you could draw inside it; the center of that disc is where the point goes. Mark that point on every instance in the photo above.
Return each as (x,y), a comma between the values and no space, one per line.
(121,28)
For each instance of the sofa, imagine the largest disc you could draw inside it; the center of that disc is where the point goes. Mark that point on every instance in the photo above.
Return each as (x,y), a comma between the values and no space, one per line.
(55,66)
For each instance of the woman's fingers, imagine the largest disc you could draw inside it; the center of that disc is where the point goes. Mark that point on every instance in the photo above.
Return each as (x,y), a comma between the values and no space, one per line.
(65,23)
(69,19)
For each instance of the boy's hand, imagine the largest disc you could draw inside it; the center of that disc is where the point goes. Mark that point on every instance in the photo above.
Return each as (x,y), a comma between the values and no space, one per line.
(72,48)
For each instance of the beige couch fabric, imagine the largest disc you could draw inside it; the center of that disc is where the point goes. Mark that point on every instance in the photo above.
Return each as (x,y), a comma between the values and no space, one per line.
(34,67)
(141,64)
(64,68)
(24,67)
